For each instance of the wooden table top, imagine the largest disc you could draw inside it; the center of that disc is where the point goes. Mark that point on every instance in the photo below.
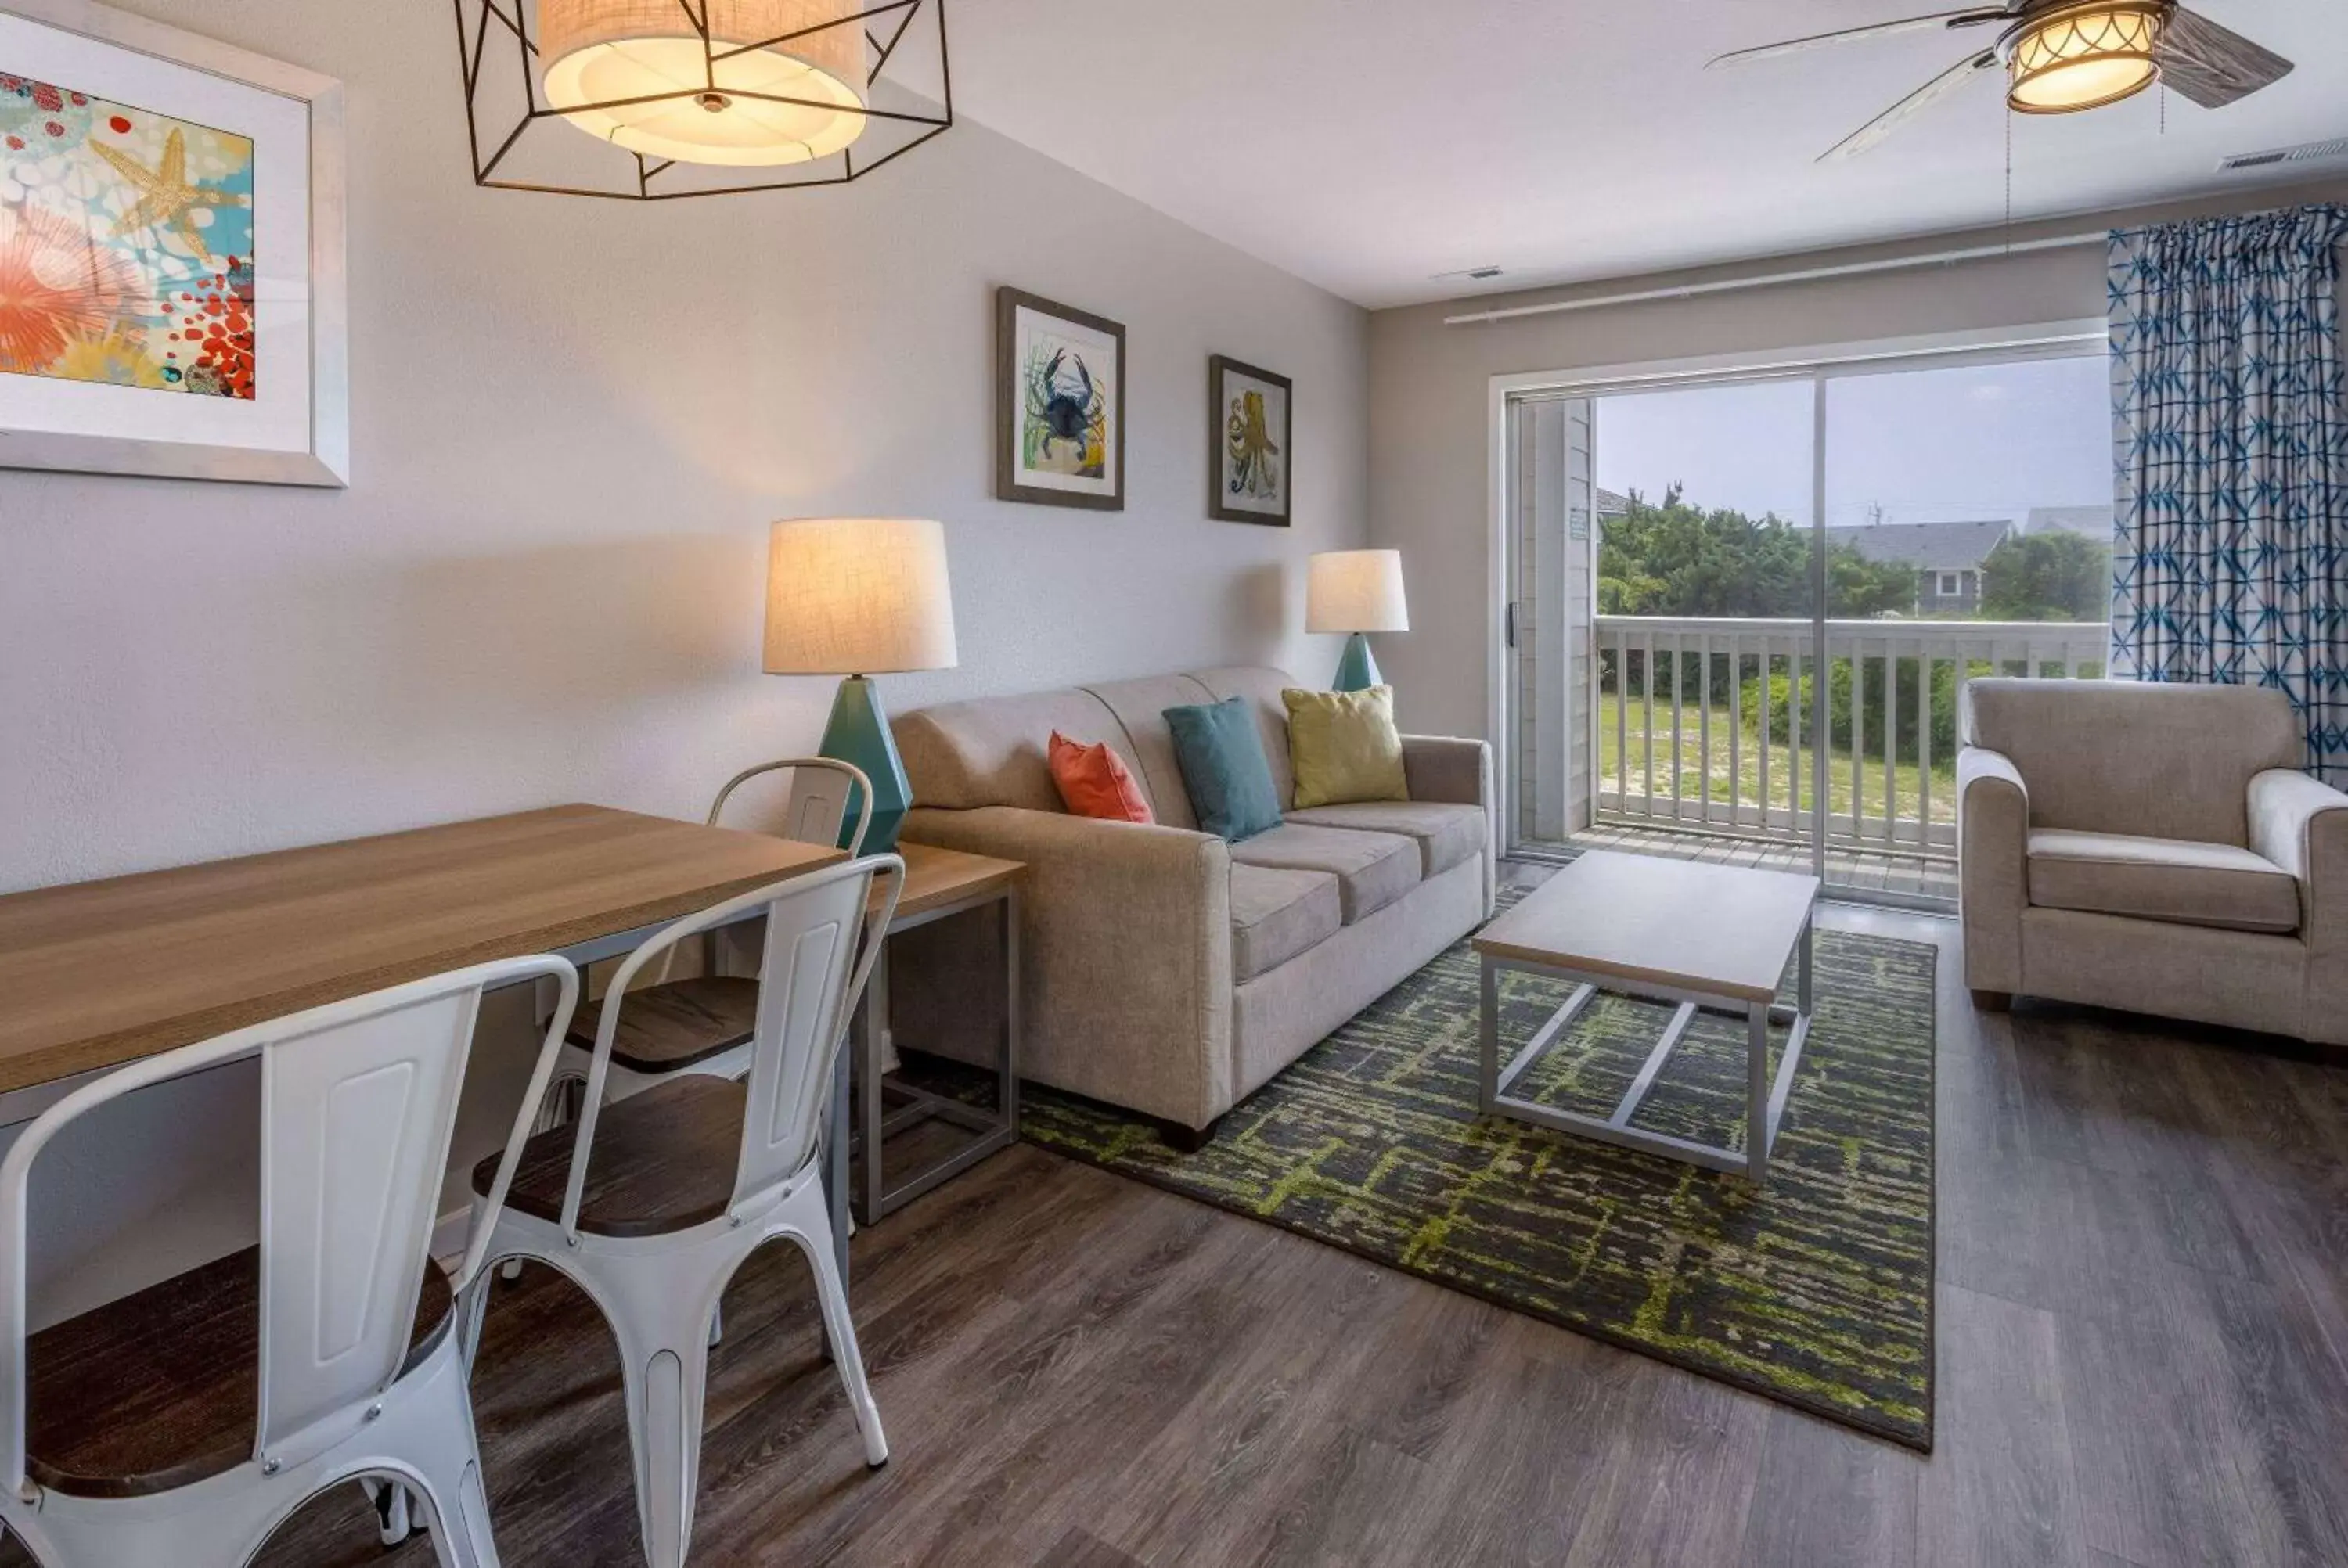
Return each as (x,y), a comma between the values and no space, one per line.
(935,877)
(1726,930)
(96,974)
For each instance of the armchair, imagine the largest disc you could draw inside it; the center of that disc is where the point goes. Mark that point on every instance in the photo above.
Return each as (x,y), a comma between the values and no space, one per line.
(2151,847)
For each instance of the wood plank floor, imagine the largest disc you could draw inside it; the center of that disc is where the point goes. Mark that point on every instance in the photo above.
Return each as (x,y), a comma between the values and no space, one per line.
(2143,1318)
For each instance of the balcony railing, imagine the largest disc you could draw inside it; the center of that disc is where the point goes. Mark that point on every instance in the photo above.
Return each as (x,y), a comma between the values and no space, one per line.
(1713,724)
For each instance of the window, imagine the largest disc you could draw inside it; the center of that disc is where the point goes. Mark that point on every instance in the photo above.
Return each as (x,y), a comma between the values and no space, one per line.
(1951,584)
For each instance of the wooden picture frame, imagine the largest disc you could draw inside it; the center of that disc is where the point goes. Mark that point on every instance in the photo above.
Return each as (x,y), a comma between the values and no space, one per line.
(1059,414)
(212,340)
(1250,436)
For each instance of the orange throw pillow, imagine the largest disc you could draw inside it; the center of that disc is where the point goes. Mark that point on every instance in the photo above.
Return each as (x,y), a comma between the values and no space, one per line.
(1094,782)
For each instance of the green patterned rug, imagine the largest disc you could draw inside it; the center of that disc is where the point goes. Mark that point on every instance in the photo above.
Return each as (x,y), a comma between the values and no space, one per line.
(1818,1292)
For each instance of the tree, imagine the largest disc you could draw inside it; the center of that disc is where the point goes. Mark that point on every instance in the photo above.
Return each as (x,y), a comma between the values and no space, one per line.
(1679,560)
(2047,576)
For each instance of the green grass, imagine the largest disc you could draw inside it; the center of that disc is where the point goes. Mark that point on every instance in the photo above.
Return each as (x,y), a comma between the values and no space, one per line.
(1695,765)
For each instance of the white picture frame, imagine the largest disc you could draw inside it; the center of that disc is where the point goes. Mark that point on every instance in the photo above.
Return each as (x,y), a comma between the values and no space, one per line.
(294,429)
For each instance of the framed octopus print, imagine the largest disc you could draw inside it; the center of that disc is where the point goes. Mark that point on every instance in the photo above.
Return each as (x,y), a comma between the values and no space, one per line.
(1248,441)
(171,253)
(1060,396)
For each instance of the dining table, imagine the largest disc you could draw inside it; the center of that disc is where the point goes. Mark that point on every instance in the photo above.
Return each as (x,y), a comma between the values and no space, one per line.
(102,973)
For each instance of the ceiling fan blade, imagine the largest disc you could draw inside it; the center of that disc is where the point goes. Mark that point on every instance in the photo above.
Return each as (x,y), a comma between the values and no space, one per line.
(2212,64)
(1940,21)
(1873,133)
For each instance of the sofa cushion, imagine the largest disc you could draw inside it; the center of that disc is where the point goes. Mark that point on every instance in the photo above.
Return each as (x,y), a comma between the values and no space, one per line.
(991,750)
(1372,869)
(1139,707)
(1445,834)
(1224,770)
(2177,880)
(1342,747)
(1277,914)
(1095,782)
(1259,688)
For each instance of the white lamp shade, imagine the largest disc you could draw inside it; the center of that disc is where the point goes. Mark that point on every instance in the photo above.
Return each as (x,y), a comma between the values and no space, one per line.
(858,596)
(670,95)
(1355,591)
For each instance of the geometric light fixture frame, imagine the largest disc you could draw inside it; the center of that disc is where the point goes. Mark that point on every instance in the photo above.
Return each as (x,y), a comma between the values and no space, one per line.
(488,27)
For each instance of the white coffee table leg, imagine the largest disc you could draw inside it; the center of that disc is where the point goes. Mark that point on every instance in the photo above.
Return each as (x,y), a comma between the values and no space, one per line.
(1488,1044)
(1756,1092)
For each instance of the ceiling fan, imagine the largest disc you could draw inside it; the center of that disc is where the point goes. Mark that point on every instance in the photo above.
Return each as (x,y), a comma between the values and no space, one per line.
(2063,56)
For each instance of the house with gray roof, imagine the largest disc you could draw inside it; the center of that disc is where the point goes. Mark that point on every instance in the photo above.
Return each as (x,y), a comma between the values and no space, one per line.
(1947,558)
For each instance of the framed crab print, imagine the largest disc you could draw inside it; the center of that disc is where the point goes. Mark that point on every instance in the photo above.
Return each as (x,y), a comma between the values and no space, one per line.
(1060,405)
(171,282)
(1248,439)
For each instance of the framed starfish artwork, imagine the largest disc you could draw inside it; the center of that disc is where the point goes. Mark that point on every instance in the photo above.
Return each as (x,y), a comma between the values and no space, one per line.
(171,253)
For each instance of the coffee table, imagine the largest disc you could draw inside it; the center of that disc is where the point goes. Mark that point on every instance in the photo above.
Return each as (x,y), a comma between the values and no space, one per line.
(1717,938)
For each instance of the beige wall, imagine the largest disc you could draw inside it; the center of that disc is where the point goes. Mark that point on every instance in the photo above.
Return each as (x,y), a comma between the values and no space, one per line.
(1430,386)
(571,422)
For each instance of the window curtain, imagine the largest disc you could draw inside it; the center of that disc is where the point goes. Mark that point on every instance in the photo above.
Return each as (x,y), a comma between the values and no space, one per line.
(2230,550)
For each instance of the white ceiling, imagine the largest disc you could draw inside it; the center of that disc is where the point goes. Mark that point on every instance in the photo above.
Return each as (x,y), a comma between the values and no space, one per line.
(1368,144)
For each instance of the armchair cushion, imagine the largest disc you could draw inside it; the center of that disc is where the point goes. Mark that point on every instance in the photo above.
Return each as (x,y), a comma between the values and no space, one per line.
(2177,880)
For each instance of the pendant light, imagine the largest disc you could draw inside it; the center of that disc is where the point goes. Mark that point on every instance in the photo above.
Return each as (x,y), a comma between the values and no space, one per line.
(774,81)
(698,97)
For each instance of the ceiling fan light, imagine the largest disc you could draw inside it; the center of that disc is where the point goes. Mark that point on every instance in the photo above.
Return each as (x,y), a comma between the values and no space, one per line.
(2084,56)
(638,74)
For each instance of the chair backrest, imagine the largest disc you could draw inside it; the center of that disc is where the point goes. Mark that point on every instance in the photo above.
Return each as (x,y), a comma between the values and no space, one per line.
(823,933)
(823,790)
(358,1106)
(2153,760)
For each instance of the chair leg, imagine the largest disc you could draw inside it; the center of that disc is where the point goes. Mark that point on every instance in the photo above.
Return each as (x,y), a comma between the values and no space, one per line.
(448,1456)
(814,1237)
(394,1519)
(664,1356)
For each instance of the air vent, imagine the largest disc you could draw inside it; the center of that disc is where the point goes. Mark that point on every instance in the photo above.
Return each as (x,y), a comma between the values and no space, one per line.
(2311,152)
(1480,273)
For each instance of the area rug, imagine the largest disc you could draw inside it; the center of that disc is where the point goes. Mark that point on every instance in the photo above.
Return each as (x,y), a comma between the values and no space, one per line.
(1816,1291)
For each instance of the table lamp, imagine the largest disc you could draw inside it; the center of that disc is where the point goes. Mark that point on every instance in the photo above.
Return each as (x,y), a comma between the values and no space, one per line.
(860,597)
(1355,592)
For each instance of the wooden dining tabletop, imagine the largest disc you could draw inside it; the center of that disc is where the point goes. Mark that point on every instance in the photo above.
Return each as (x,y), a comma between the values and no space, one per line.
(96,974)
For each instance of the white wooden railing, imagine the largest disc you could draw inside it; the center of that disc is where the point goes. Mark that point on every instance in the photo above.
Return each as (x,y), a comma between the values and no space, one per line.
(1665,688)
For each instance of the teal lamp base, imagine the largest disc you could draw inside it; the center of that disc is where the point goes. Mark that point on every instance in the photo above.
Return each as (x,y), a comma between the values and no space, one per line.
(1356,670)
(858,733)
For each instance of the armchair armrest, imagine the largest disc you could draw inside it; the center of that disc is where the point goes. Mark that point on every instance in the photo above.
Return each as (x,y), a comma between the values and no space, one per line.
(1992,867)
(1126,956)
(2301,824)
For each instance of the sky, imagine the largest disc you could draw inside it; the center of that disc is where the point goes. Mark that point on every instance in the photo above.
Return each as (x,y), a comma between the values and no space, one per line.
(1927,446)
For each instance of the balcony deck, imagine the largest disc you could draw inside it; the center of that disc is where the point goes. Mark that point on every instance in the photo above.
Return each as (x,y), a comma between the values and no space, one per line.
(1901,877)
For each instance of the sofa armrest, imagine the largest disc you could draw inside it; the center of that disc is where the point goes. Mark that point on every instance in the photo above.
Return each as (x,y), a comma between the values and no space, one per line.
(2301,824)
(1451,772)
(1457,773)
(1126,954)
(1992,867)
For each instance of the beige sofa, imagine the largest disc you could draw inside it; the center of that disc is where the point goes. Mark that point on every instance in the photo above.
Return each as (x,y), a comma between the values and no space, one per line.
(2152,847)
(1165,970)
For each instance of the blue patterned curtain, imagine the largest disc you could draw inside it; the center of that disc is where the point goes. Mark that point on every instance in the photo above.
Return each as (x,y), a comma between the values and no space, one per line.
(2230,558)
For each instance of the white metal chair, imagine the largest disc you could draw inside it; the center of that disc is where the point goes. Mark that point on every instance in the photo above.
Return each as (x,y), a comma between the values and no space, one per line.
(704,1024)
(651,1202)
(358,1104)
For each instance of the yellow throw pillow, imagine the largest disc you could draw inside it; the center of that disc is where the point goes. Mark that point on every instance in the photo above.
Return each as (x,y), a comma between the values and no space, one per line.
(1343,747)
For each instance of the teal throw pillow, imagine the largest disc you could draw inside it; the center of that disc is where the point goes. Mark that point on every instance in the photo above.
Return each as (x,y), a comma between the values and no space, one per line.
(1224,767)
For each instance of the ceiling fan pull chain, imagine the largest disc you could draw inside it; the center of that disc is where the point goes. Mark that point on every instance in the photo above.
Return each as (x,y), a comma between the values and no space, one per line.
(2009,182)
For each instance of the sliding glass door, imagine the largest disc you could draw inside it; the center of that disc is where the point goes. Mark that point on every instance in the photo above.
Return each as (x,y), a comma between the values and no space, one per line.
(1738,610)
